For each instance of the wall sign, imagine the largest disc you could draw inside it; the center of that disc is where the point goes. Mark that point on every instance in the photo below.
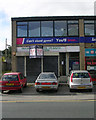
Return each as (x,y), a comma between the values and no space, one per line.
(35,51)
(47,40)
(55,40)
(61,49)
(22,49)
(90,52)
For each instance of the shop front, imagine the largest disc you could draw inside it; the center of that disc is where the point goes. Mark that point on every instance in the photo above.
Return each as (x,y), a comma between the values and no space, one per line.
(58,59)
(90,62)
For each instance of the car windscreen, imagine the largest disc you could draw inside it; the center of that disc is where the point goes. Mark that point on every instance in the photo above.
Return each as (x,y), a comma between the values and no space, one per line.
(10,78)
(47,76)
(81,75)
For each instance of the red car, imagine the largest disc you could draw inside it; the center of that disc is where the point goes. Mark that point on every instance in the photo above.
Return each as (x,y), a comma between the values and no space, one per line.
(13,81)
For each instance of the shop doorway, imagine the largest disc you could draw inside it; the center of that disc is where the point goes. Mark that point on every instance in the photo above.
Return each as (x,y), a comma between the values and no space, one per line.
(62,64)
(74,63)
(33,68)
(50,64)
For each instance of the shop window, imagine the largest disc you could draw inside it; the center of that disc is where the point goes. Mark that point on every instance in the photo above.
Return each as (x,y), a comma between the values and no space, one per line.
(89,28)
(60,28)
(34,29)
(73,28)
(90,65)
(21,29)
(46,28)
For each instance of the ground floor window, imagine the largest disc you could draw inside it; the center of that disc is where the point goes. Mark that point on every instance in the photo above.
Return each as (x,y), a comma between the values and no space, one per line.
(90,65)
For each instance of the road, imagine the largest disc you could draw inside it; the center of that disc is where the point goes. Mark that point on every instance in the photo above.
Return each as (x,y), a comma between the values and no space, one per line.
(49,109)
(48,104)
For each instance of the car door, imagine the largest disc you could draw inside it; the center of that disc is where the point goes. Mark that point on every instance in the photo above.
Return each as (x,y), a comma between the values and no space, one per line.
(22,79)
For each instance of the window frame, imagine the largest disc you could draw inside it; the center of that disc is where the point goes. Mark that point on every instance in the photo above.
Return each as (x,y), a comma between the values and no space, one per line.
(66,27)
(73,24)
(53,24)
(89,24)
(21,25)
(41,28)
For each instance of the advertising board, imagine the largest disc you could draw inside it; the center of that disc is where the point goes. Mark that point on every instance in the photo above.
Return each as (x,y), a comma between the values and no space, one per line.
(56,40)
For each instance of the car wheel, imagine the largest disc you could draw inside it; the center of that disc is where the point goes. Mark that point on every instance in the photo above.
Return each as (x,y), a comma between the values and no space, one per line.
(2,91)
(37,90)
(56,90)
(71,90)
(21,90)
(90,90)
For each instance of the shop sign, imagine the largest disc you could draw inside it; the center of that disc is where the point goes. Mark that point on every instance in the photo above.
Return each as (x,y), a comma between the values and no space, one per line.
(23,49)
(62,49)
(87,39)
(91,63)
(91,67)
(90,52)
(32,52)
(56,40)
(47,40)
(90,40)
(35,51)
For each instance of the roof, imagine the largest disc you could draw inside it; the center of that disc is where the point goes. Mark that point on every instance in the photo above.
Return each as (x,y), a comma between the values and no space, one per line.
(51,18)
(47,72)
(12,73)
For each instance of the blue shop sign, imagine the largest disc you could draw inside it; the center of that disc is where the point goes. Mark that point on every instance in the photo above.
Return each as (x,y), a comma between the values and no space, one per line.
(56,40)
(90,52)
(87,39)
(50,40)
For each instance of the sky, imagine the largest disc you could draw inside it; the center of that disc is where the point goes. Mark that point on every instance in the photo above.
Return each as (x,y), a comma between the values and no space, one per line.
(29,8)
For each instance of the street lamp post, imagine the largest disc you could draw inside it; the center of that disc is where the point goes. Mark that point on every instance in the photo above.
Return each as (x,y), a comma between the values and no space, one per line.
(6,45)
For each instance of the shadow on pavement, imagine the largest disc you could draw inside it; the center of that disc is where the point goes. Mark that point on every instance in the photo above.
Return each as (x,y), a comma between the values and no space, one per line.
(63,90)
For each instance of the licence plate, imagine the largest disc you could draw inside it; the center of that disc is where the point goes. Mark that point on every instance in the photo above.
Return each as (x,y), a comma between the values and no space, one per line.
(45,87)
(81,87)
(9,83)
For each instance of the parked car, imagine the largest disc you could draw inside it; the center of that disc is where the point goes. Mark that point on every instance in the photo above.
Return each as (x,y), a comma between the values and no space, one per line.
(80,79)
(13,81)
(46,81)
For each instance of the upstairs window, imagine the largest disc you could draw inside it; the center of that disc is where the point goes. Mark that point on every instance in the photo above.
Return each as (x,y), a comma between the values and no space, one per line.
(73,29)
(89,27)
(22,29)
(60,28)
(46,28)
(34,29)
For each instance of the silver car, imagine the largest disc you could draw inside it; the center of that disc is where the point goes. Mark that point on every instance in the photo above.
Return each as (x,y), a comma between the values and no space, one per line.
(46,81)
(80,79)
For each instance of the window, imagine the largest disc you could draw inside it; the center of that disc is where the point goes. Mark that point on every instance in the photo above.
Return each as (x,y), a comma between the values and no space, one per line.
(21,76)
(34,29)
(47,76)
(73,28)
(89,28)
(81,75)
(60,28)
(21,29)
(46,28)
(10,78)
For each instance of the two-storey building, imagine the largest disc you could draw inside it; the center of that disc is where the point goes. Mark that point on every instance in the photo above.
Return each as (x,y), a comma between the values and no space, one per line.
(57,44)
